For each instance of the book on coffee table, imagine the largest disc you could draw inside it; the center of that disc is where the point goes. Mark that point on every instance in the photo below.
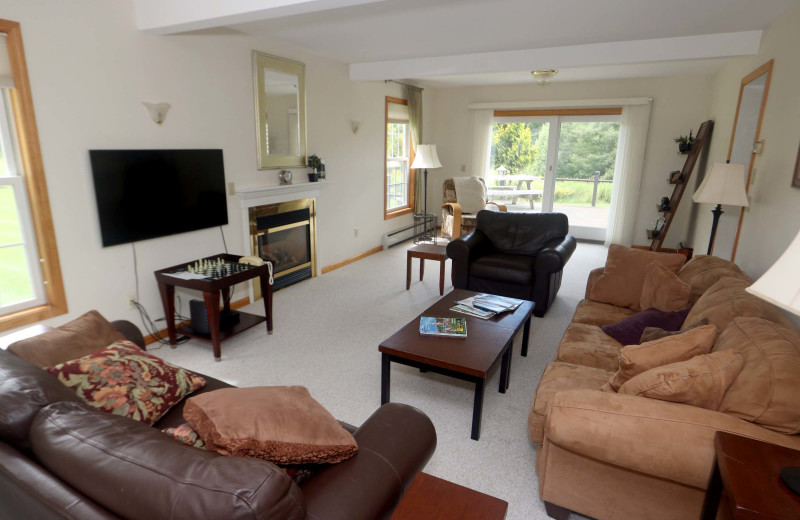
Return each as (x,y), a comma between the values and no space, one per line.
(447,327)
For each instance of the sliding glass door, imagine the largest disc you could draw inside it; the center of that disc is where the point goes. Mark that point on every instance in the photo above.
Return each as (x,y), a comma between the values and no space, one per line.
(556,163)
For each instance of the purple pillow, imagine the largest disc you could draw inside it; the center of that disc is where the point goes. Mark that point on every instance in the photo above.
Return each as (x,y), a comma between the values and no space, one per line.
(629,331)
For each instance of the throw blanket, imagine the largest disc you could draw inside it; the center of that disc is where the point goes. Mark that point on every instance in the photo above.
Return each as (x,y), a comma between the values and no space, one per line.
(470,193)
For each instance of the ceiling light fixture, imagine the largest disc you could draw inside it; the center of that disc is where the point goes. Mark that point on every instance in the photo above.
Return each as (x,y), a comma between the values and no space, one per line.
(542,76)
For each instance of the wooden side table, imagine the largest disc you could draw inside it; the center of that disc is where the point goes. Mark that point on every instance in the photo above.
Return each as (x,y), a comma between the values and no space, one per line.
(432,498)
(749,472)
(426,252)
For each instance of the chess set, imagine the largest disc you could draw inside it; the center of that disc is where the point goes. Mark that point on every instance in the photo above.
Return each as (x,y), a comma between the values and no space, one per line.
(216,269)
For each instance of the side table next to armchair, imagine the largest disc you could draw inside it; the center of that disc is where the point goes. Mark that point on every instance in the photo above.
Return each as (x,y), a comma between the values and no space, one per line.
(520,255)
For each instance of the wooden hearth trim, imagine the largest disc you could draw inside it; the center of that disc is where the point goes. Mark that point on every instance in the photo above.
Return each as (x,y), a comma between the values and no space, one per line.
(329,268)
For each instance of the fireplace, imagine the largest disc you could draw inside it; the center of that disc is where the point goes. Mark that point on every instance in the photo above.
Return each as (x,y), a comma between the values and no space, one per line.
(285,234)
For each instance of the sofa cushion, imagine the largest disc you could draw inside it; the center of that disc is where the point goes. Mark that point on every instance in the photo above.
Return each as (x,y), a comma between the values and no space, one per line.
(589,346)
(282,424)
(663,290)
(701,381)
(767,388)
(654,333)
(504,267)
(24,389)
(560,376)
(624,274)
(728,299)
(596,313)
(629,331)
(701,272)
(83,335)
(138,472)
(635,359)
(125,380)
(522,233)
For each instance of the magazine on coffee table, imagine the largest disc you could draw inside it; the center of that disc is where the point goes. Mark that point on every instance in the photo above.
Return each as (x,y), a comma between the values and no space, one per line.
(485,306)
(447,327)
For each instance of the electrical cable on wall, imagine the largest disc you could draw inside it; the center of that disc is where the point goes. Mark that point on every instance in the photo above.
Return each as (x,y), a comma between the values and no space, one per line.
(147,322)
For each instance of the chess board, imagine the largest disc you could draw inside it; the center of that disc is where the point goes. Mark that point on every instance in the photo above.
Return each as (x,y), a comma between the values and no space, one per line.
(216,269)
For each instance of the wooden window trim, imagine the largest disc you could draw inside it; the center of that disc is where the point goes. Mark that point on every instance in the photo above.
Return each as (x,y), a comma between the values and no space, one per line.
(409,208)
(611,111)
(33,171)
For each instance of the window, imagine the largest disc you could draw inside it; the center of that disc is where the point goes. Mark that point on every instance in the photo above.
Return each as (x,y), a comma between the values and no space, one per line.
(31,288)
(398,182)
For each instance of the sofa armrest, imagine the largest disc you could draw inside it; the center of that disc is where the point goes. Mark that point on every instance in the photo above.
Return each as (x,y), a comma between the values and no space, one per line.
(130,331)
(555,254)
(668,440)
(463,251)
(394,444)
(594,274)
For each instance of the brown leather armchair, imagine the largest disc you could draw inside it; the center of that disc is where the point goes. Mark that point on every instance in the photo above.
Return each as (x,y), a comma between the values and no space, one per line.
(521,255)
(454,221)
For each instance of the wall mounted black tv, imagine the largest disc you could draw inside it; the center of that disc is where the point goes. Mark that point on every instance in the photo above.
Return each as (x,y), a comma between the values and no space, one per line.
(144,194)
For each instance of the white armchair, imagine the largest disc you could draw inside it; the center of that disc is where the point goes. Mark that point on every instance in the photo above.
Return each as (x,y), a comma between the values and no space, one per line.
(463,198)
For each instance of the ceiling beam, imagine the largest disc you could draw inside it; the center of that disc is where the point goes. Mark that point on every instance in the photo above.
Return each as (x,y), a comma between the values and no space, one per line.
(611,53)
(176,16)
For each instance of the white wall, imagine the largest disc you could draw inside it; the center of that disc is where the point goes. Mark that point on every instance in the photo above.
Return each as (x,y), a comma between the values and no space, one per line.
(773,218)
(90,69)
(679,104)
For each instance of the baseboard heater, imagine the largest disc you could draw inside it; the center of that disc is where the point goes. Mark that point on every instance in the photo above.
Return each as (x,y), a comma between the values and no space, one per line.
(401,235)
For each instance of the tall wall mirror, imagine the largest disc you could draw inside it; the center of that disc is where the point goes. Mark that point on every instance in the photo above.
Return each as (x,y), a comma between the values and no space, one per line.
(280,100)
(746,130)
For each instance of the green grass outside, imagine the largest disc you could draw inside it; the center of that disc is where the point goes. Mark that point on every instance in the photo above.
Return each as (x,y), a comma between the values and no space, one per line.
(575,193)
(15,282)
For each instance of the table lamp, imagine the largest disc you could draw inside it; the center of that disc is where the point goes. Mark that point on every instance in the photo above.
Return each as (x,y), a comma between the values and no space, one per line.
(724,184)
(780,286)
(426,157)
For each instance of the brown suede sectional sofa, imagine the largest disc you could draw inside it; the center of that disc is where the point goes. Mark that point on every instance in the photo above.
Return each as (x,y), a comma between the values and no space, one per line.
(613,456)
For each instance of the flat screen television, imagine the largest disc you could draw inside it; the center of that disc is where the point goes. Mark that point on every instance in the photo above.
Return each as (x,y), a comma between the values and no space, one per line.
(143,194)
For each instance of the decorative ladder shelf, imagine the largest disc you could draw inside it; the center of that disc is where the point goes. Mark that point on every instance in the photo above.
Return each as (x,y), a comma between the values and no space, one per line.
(703,135)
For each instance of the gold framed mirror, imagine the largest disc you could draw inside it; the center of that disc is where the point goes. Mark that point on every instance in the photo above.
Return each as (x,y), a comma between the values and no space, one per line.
(280,107)
(744,143)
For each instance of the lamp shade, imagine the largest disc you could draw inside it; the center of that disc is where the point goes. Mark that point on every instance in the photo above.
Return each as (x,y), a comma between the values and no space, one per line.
(724,184)
(780,285)
(426,157)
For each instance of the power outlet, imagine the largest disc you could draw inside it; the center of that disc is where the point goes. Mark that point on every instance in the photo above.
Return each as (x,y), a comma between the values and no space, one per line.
(132,303)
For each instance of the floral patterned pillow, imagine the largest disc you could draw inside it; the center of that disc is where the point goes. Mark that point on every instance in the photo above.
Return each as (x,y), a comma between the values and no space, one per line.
(124,380)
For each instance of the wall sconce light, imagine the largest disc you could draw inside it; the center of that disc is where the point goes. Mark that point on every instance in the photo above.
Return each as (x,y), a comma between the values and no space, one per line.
(354,126)
(158,111)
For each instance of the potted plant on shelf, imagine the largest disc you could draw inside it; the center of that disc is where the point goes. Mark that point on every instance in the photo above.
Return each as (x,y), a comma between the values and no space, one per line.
(684,142)
(314,162)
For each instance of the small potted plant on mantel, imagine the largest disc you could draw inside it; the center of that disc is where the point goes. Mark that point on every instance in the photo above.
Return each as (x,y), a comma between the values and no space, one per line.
(314,163)
(685,142)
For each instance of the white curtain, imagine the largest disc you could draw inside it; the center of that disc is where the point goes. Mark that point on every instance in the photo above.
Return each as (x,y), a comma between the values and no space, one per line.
(481,141)
(631,146)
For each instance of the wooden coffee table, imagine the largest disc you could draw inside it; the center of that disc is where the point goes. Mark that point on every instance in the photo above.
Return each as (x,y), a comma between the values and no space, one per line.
(470,359)
(432,498)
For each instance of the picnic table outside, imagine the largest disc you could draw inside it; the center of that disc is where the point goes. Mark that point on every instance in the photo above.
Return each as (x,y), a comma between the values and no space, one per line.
(506,188)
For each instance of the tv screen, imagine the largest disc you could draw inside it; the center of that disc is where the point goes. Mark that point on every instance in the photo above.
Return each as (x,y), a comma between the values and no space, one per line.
(144,194)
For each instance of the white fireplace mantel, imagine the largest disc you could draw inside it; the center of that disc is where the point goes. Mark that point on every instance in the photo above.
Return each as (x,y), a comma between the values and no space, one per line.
(260,195)
(252,196)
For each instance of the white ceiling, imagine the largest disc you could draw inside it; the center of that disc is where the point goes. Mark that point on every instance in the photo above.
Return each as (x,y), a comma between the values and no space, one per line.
(377,34)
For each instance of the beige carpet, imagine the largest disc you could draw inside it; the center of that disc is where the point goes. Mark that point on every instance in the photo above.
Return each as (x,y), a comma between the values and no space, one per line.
(326,337)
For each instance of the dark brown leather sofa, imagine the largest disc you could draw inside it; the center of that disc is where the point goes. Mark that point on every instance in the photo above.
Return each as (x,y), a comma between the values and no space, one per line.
(62,459)
(520,255)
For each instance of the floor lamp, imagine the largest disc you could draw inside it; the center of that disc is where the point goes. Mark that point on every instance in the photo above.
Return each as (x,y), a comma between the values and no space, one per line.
(426,157)
(780,286)
(724,184)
